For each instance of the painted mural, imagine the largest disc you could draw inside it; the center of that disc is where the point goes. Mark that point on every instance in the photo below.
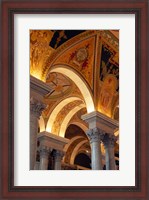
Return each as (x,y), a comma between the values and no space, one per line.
(109,64)
(61,36)
(60,84)
(39,50)
(109,77)
(81,58)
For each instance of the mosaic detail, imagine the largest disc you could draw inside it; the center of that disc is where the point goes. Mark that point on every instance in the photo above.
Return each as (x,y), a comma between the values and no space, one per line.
(62,114)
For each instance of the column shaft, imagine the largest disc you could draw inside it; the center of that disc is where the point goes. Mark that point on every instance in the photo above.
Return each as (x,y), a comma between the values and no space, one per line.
(96,156)
(44,158)
(95,140)
(57,159)
(33,139)
(109,141)
(36,108)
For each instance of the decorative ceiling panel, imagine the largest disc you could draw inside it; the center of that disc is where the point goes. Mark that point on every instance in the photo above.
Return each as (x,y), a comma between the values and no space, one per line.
(80,57)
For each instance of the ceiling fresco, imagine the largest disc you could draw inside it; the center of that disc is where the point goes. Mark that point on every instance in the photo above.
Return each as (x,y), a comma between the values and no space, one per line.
(60,84)
(77,49)
(39,50)
(109,64)
(93,56)
(80,57)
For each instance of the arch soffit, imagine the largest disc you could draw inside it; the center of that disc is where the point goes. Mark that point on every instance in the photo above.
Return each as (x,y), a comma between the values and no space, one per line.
(79,124)
(71,141)
(80,82)
(56,110)
(75,151)
(68,117)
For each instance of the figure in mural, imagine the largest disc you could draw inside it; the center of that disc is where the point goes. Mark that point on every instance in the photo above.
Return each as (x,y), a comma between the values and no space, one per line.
(107,92)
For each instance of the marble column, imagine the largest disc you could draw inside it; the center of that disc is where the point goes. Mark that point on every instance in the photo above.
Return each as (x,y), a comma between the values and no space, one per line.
(94,136)
(109,142)
(36,108)
(58,155)
(44,158)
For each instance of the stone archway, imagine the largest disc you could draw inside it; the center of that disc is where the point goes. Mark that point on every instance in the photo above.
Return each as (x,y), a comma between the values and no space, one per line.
(80,82)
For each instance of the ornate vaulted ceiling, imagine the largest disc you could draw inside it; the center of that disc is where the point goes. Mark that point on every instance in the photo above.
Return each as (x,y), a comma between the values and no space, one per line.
(92,55)
(82,69)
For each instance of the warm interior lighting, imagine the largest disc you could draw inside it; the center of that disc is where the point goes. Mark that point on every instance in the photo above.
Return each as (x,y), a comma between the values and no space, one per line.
(41,124)
(56,110)
(67,119)
(80,84)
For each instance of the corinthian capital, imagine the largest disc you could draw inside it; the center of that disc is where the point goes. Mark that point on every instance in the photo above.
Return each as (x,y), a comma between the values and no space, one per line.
(109,140)
(36,107)
(95,134)
(58,155)
(44,151)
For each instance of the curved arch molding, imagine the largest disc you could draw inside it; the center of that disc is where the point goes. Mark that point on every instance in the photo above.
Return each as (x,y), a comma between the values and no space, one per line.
(68,118)
(56,110)
(80,84)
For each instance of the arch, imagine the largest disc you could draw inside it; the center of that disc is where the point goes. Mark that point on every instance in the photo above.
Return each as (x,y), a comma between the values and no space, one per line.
(83,160)
(79,124)
(56,110)
(80,84)
(75,151)
(41,124)
(71,141)
(67,119)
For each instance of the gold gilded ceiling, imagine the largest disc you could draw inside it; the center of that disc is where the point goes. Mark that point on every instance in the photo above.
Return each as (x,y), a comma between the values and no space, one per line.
(80,57)
(92,54)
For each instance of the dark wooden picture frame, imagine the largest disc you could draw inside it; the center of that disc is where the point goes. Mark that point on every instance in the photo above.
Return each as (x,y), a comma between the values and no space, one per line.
(11,7)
